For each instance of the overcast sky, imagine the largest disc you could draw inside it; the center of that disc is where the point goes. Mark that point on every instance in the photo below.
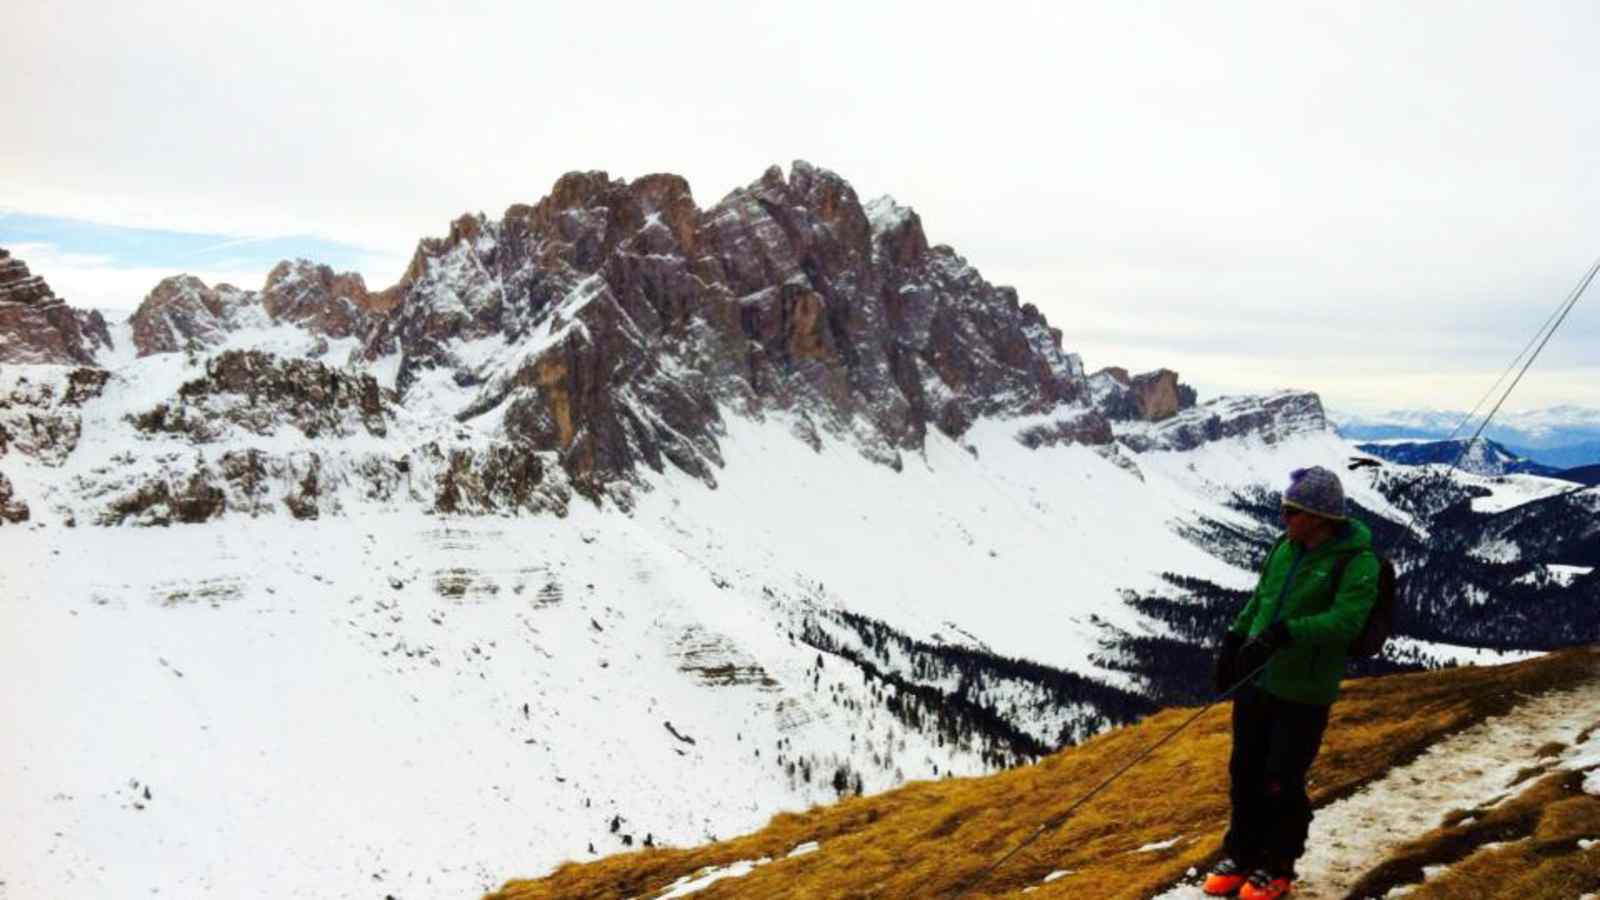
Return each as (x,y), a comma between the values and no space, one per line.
(1379,201)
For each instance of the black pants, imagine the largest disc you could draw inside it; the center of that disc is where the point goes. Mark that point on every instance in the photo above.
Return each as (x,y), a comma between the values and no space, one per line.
(1274,743)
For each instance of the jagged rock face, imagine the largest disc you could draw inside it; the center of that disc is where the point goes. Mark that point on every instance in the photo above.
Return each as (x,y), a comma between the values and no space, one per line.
(1269,419)
(605,330)
(320,300)
(41,417)
(258,392)
(182,311)
(1085,427)
(12,510)
(642,315)
(1147,397)
(36,326)
(496,478)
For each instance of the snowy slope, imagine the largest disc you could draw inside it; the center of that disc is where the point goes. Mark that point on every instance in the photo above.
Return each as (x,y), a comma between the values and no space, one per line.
(313,704)
(324,707)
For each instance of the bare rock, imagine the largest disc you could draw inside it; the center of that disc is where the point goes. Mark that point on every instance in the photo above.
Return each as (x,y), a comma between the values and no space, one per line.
(335,305)
(12,509)
(640,318)
(1268,419)
(38,327)
(182,312)
(1087,427)
(40,412)
(260,393)
(1147,397)
(497,478)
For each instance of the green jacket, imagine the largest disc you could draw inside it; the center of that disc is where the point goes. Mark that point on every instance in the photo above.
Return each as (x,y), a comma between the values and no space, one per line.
(1296,586)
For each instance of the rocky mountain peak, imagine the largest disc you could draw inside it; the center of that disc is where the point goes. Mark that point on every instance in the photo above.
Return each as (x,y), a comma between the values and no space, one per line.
(896,232)
(625,300)
(332,304)
(36,326)
(183,311)
(612,326)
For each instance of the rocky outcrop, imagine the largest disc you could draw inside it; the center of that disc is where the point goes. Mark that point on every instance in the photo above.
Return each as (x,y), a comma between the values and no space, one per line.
(260,393)
(1268,419)
(12,509)
(160,502)
(40,412)
(497,478)
(36,326)
(336,305)
(1147,397)
(182,312)
(1087,427)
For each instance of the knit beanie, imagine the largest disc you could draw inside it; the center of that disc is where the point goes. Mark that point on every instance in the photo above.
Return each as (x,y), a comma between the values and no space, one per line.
(1317,491)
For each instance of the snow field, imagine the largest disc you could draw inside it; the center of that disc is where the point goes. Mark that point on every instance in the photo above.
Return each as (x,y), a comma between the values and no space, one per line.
(308,729)
(319,708)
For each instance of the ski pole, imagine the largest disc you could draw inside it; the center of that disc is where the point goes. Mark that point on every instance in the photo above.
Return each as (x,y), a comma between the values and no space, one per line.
(1055,822)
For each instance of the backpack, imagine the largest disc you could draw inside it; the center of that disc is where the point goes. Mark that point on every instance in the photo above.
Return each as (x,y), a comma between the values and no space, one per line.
(1380,622)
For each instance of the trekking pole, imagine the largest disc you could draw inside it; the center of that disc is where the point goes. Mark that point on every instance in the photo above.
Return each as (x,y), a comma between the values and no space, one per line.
(1055,822)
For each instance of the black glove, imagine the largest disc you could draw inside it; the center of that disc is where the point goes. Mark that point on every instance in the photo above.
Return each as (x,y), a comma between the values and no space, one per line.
(1255,654)
(1227,670)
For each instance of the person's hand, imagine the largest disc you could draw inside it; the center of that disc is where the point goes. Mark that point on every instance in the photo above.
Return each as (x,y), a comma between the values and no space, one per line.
(1227,668)
(1259,649)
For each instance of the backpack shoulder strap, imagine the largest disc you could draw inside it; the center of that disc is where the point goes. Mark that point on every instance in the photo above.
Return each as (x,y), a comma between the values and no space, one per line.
(1343,562)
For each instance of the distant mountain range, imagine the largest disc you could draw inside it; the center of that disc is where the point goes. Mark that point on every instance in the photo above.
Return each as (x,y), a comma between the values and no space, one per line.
(1562,437)
(1484,458)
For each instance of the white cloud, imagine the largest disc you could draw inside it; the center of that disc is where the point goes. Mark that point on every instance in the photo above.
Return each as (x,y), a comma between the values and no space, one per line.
(95,282)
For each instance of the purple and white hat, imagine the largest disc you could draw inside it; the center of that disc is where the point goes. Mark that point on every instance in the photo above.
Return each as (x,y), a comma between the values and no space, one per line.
(1317,491)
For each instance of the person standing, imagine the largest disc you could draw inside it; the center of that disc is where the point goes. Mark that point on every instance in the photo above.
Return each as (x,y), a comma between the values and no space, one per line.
(1296,630)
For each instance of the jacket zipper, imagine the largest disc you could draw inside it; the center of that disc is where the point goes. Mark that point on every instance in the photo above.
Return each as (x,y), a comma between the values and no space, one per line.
(1283,594)
(1288,581)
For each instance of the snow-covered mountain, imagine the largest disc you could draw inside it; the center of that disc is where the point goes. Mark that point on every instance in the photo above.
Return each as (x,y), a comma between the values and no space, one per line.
(619,521)
(1559,436)
(1482,456)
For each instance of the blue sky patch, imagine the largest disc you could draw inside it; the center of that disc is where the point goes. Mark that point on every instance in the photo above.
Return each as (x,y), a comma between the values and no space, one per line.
(176,250)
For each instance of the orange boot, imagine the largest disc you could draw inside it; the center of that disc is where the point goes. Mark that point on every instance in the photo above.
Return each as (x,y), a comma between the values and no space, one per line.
(1224,879)
(1264,885)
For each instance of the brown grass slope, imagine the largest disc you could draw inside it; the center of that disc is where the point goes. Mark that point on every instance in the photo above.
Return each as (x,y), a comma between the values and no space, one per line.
(929,839)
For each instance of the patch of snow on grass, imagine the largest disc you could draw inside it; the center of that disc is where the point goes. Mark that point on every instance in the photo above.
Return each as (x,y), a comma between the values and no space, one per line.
(712,876)
(1454,653)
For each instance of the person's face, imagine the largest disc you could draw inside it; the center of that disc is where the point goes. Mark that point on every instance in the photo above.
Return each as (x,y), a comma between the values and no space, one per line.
(1303,527)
